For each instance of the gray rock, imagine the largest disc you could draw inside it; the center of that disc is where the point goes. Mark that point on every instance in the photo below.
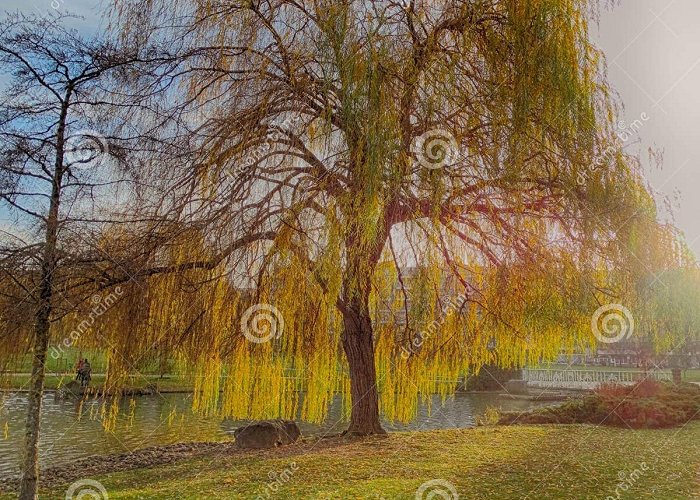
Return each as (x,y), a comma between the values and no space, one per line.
(267,434)
(517,387)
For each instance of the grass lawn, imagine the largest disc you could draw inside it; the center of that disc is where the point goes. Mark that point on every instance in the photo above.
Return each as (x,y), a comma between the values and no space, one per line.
(536,462)
(62,359)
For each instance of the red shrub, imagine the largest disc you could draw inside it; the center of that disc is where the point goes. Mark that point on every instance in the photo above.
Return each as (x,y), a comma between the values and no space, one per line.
(647,404)
(611,390)
(647,388)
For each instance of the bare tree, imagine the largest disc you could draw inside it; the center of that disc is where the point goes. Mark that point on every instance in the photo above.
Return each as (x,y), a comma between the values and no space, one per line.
(67,127)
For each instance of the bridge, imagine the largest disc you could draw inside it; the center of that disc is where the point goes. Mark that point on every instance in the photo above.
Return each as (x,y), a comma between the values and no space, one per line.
(587,379)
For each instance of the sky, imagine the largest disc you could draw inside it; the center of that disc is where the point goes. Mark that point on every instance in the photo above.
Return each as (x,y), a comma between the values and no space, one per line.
(653,58)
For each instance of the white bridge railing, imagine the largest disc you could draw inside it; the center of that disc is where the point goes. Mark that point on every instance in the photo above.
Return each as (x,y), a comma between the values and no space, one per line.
(587,379)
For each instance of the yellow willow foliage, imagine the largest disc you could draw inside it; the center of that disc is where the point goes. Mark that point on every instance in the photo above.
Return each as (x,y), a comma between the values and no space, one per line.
(237,378)
(208,372)
(195,317)
(521,314)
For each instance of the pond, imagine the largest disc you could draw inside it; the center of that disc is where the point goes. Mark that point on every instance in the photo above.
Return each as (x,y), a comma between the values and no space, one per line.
(70,430)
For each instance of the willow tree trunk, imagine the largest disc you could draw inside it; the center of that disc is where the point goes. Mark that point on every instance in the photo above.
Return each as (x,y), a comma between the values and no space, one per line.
(28,488)
(358,344)
(358,336)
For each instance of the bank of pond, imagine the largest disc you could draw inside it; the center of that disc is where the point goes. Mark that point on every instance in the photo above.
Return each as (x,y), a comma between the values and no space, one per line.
(161,428)
(71,428)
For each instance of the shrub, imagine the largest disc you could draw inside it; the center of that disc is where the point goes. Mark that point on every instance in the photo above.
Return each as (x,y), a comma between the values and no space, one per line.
(647,404)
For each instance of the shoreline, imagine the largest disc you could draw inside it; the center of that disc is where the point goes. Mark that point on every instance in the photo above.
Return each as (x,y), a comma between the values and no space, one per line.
(137,459)
(153,456)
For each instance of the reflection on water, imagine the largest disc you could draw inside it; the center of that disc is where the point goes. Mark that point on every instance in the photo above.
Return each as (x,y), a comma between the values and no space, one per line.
(71,430)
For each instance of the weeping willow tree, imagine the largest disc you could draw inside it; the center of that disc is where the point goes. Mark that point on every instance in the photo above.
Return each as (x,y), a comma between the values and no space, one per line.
(382,178)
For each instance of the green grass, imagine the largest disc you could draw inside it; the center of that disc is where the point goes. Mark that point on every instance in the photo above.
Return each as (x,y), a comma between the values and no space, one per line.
(60,370)
(62,359)
(540,462)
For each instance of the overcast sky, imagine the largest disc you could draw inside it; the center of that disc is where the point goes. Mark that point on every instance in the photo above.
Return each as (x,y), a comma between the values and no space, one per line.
(653,52)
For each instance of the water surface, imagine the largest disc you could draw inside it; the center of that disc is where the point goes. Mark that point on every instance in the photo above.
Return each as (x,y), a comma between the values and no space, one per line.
(71,430)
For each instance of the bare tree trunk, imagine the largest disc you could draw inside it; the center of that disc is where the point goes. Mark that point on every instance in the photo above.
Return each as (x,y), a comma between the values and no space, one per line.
(30,465)
(28,488)
(358,345)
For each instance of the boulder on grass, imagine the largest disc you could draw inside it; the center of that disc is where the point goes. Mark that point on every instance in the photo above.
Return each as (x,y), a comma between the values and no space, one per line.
(267,434)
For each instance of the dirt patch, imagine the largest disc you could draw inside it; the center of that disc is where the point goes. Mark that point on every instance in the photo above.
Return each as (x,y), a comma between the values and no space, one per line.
(98,465)
(146,457)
